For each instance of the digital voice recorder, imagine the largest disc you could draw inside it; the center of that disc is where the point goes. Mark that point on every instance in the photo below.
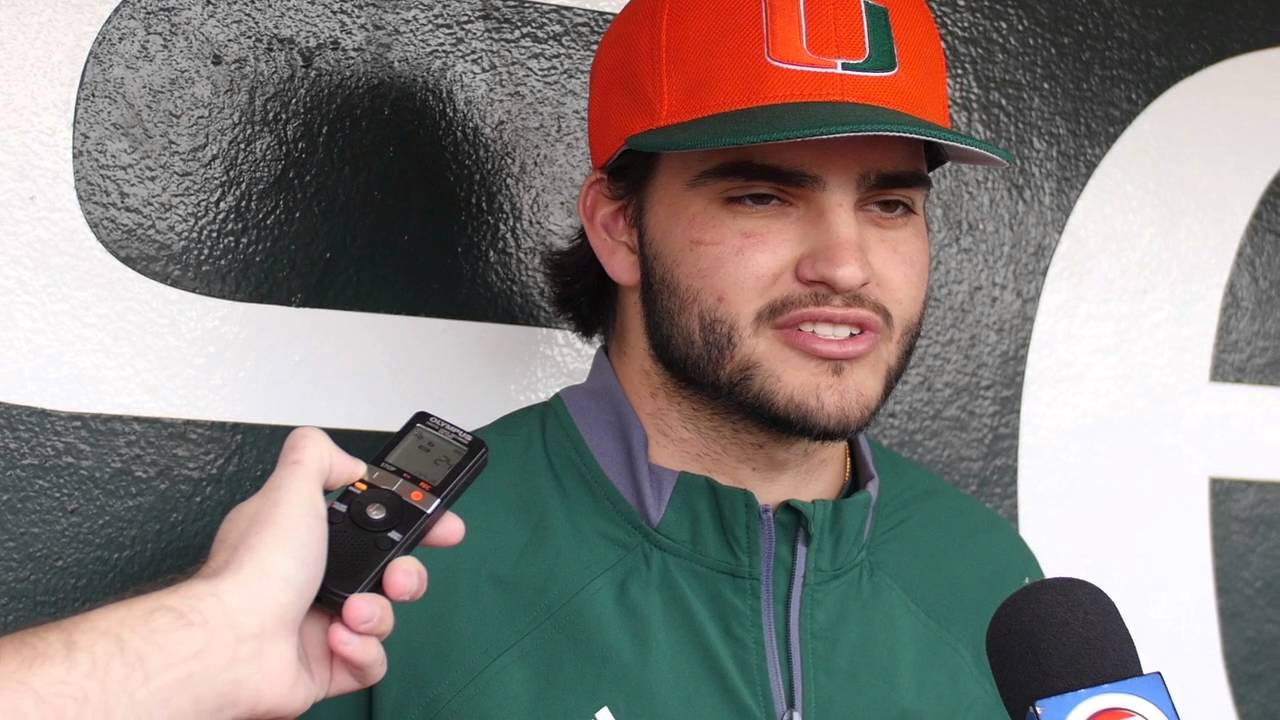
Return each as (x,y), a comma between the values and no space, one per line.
(408,485)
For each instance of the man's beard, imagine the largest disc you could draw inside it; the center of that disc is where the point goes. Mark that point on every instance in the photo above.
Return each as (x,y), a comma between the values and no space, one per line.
(698,349)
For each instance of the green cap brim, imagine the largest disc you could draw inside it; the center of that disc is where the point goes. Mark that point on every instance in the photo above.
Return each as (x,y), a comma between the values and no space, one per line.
(812,120)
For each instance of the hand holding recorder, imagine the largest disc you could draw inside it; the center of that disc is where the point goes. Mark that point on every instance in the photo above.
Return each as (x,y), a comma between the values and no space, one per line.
(267,562)
(239,639)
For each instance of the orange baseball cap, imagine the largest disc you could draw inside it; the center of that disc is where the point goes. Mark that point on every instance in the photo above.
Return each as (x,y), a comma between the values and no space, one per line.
(672,75)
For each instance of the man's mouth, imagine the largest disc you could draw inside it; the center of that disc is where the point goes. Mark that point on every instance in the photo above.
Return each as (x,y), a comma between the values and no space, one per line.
(832,323)
(830,331)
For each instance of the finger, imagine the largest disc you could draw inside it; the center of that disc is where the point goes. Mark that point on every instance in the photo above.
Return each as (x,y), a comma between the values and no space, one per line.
(360,660)
(448,530)
(369,614)
(309,452)
(405,579)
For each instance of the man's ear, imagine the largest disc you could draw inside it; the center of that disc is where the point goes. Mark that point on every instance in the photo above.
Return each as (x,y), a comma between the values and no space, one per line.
(613,238)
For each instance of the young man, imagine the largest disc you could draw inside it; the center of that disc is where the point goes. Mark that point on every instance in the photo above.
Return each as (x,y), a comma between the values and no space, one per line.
(702,529)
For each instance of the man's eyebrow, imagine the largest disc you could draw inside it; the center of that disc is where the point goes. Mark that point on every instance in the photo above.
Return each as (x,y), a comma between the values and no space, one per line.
(751,171)
(895,180)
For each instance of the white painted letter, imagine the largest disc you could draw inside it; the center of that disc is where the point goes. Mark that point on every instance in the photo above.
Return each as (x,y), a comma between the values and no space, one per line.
(1121,428)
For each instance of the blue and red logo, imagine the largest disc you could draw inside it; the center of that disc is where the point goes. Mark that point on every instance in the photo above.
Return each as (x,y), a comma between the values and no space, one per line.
(1138,698)
(1116,706)
(1117,714)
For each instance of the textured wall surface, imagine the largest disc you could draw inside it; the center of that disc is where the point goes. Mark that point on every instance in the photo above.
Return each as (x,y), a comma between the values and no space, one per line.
(286,161)
(1249,332)
(388,157)
(1246,544)
(104,506)
(1246,515)
(413,158)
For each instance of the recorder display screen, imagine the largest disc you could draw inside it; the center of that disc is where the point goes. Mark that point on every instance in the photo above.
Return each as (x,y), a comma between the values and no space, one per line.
(426,454)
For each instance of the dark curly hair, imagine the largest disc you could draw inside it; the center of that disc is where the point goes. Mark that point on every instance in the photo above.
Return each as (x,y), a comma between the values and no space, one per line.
(581,291)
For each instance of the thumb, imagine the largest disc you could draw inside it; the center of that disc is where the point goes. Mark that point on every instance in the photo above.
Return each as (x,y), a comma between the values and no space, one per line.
(311,456)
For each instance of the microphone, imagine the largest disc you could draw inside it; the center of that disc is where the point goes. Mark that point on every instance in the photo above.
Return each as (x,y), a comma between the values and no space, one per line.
(1059,650)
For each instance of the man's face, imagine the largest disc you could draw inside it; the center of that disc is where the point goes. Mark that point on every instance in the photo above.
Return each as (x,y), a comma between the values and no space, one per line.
(784,285)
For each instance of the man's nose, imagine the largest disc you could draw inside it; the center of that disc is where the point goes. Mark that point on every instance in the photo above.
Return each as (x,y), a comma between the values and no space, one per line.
(835,255)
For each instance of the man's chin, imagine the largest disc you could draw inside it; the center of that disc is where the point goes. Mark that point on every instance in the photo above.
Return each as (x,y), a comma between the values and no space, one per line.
(825,424)
(806,376)
(823,412)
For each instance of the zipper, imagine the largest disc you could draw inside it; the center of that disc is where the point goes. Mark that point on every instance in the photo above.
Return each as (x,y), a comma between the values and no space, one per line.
(793,623)
(768,543)
(768,546)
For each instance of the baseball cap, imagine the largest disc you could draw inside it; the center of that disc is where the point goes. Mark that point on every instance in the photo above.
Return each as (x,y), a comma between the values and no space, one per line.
(674,75)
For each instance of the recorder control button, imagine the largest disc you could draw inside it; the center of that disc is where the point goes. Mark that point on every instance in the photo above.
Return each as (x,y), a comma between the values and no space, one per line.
(336,516)
(382,542)
(376,510)
(382,479)
(424,500)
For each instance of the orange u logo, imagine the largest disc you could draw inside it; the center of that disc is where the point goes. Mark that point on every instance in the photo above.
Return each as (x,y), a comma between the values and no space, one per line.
(788,40)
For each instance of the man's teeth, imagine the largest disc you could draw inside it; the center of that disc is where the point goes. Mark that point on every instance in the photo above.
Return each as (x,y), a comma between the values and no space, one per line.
(830,331)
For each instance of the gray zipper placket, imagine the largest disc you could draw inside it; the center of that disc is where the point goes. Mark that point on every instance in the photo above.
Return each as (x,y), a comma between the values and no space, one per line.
(793,623)
(768,546)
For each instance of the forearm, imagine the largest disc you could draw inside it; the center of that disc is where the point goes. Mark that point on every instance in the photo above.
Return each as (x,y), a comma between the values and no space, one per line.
(160,655)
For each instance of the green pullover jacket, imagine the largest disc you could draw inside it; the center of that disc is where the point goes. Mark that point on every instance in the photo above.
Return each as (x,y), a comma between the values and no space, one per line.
(594,585)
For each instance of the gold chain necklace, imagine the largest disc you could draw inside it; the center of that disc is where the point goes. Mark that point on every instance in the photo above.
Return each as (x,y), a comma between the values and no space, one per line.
(848,471)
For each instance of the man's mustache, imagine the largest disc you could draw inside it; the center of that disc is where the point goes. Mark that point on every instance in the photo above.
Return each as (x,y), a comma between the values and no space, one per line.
(770,313)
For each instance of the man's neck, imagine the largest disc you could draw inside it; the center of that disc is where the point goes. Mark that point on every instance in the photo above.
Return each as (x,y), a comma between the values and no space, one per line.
(687,434)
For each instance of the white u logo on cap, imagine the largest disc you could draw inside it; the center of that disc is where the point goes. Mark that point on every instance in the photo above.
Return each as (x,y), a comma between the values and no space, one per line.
(787,40)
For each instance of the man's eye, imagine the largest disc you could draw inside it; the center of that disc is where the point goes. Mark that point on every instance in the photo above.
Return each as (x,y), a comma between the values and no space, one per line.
(893,208)
(756,200)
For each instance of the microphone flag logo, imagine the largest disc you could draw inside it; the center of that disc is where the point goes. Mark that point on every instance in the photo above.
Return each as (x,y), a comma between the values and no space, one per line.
(1116,706)
(1144,697)
(1116,714)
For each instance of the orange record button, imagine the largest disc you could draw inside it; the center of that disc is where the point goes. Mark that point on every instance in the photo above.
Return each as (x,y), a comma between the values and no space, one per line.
(416,496)
(361,486)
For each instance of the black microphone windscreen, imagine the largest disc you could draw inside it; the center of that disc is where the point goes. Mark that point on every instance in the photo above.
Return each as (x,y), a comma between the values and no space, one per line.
(1054,636)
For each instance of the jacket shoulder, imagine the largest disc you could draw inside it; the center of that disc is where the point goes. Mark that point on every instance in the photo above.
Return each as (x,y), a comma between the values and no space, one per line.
(538,531)
(953,557)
